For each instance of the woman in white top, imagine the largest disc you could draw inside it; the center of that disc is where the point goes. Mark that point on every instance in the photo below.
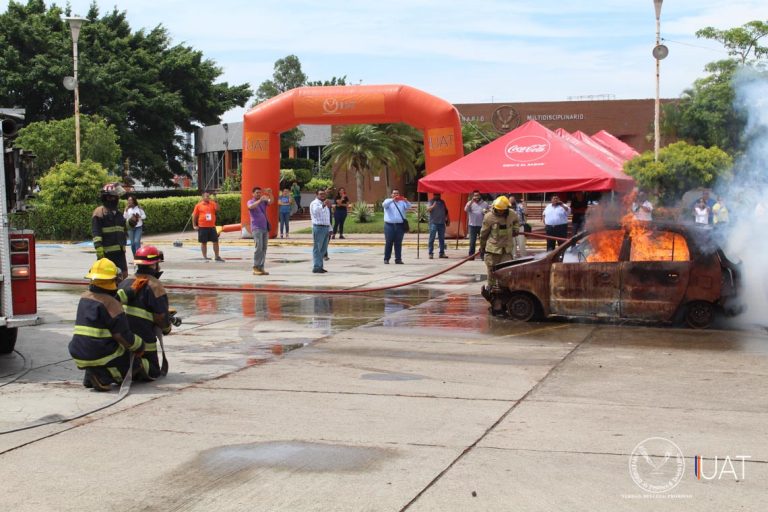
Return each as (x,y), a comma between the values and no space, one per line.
(701,212)
(135,216)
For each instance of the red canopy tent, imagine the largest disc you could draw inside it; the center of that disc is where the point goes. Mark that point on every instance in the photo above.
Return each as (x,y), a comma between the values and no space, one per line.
(598,156)
(530,158)
(616,145)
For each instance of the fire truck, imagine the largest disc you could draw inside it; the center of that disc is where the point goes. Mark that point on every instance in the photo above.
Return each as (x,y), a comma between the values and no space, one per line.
(18,282)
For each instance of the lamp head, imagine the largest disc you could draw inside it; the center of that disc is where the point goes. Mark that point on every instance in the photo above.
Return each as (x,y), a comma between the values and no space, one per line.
(75,22)
(657,6)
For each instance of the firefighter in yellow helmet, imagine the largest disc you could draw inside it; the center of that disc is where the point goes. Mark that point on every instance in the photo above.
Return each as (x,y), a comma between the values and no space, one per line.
(103,341)
(500,227)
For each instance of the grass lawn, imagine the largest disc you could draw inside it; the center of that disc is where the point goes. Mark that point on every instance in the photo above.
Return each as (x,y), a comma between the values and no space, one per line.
(351,226)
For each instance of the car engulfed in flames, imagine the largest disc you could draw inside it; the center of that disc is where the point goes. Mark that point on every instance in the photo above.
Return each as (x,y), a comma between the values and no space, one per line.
(637,271)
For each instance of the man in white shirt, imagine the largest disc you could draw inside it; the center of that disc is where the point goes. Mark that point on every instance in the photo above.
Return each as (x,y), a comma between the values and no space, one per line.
(555,218)
(320,212)
(642,207)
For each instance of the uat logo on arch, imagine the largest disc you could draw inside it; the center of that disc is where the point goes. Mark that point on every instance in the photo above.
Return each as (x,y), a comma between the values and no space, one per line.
(527,148)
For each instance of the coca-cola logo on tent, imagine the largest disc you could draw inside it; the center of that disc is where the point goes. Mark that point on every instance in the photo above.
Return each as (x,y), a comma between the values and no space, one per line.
(527,148)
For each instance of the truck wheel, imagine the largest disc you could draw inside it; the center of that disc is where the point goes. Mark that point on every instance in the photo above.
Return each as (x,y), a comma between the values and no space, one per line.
(699,314)
(521,306)
(7,339)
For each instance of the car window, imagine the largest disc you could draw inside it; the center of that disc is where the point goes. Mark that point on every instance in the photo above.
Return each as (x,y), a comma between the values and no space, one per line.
(602,246)
(659,246)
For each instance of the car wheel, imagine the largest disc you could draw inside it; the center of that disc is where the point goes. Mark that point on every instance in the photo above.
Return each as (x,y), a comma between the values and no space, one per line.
(699,314)
(7,339)
(521,306)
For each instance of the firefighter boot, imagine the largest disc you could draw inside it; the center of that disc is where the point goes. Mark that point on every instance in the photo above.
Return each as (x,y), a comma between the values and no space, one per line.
(98,383)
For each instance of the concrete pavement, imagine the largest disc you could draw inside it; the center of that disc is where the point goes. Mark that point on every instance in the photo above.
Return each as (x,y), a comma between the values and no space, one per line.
(411,399)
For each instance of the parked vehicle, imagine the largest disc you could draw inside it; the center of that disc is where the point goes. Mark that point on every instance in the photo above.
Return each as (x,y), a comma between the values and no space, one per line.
(641,271)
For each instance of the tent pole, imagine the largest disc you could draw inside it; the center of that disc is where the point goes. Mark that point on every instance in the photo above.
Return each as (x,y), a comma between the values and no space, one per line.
(418,224)
(458,228)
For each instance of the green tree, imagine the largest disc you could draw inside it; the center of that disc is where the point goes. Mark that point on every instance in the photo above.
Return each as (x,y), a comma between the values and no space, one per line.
(69,183)
(359,148)
(53,142)
(681,167)
(705,113)
(403,141)
(742,42)
(147,87)
(476,135)
(287,75)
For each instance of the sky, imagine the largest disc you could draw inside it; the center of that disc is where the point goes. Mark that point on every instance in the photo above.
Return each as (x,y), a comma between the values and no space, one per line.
(463,51)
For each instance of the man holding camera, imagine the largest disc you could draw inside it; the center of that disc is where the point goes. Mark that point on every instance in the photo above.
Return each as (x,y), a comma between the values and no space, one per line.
(475,209)
(555,218)
(257,208)
(395,209)
(438,220)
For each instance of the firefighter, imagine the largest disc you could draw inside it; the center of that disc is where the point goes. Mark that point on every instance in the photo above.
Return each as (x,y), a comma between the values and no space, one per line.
(500,227)
(103,342)
(108,228)
(146,305)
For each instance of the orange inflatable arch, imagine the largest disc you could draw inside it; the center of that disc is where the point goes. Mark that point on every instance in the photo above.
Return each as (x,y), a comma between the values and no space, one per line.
(357,104)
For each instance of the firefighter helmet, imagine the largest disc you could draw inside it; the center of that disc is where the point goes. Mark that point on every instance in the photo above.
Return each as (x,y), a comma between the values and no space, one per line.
(112,189)
(501,203)
(148,255)
(103,269)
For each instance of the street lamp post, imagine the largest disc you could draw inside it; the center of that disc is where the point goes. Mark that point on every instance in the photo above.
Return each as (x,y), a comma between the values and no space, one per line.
(75,22)
(659,52)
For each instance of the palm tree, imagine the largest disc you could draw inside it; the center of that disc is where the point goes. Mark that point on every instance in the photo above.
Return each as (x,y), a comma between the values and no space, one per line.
(402,140)
(476,135)
(359,148)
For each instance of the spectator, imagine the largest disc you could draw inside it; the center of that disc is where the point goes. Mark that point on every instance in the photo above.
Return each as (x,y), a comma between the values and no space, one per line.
(519,247)
(135,216)
(642,207)
(257,208)
(579,206)
(395,208)
(296,192)
(204,222)
(720,214)
(709,203)
(555,218)
(320,212)
(285,201)
(438,220)
(701,212)
(475,209)
(340,214)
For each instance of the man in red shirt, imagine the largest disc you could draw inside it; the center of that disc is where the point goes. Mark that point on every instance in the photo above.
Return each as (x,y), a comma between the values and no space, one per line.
(204,222)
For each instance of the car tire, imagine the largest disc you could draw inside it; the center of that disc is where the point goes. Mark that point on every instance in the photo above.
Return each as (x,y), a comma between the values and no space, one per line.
(699,314)
(522,306)
(8,339)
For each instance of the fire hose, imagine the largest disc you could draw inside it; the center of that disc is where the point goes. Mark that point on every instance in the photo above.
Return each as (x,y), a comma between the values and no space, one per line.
(268,289)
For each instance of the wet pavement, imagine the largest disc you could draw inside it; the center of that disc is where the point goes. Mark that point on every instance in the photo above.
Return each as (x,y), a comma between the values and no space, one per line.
(408,399)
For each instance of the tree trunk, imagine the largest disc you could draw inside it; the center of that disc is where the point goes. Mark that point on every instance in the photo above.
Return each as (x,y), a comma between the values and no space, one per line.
(386,180)
(359,178)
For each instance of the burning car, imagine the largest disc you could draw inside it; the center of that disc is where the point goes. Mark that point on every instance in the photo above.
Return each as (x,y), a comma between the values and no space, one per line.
(638,271)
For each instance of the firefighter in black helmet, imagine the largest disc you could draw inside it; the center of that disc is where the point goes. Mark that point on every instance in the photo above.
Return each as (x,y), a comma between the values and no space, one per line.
(108,228)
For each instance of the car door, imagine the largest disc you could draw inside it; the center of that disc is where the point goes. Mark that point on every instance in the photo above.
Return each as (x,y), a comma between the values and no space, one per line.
(655,278)
(586,281)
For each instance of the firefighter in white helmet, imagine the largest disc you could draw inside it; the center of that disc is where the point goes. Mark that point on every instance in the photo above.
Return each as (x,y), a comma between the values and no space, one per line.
(500,227)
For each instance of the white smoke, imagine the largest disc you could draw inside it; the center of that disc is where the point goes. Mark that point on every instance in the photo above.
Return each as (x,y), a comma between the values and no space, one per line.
(747,197)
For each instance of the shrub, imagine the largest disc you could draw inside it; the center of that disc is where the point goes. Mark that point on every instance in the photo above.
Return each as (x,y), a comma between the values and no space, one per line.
(232,182)
(297,163)
(178,192)
(423,214)
(303,176)
(287,177)
(318,183)
(73,221)
(69,183)
(361,213)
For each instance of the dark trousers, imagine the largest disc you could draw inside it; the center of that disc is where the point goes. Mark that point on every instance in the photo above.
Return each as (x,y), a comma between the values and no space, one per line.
(561,231)
(474,232)
(339,216)
(393,236)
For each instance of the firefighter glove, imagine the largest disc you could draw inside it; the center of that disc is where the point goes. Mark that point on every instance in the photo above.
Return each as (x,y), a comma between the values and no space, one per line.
(139,283)
(99,252)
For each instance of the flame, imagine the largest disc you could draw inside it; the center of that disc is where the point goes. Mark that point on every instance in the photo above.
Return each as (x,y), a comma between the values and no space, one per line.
(654,245)
(604,246)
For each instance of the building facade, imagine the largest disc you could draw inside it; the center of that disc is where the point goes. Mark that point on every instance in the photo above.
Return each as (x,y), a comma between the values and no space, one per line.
(218,148)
